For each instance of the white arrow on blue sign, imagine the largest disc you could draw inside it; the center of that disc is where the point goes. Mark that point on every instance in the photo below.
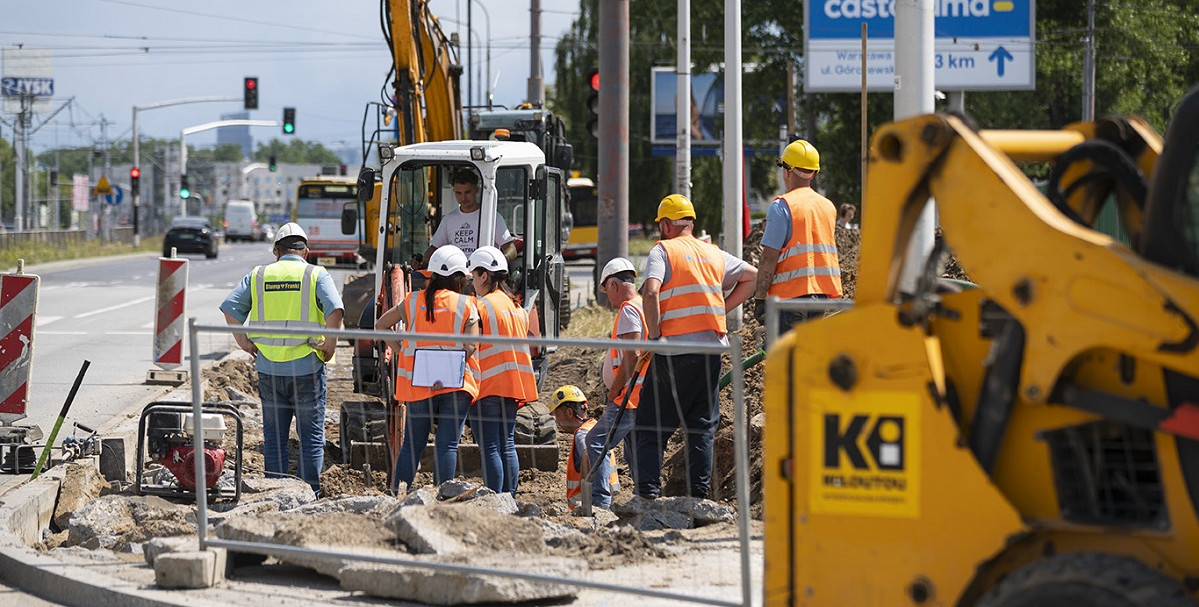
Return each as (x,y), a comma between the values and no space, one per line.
(115,200)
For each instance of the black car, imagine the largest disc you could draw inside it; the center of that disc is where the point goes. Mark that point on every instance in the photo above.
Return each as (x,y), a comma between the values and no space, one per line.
(190,235)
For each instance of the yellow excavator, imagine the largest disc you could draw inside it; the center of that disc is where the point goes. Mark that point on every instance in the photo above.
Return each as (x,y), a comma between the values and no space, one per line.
(1031,441)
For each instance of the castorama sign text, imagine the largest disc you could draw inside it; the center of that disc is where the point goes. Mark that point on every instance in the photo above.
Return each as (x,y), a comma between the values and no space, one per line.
(979,44)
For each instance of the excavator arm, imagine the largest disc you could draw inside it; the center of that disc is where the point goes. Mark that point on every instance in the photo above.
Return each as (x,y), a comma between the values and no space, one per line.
(427,98)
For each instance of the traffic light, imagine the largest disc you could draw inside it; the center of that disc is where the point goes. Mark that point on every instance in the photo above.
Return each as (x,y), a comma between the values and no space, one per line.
(184,191)
(134,176)
(270,163)
(289,120)
(593,102)
(250,92)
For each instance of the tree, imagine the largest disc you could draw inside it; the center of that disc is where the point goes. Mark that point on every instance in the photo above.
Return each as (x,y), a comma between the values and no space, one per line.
(296,151)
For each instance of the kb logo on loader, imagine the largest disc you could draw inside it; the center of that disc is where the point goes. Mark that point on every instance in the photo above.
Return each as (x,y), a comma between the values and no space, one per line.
(883,445)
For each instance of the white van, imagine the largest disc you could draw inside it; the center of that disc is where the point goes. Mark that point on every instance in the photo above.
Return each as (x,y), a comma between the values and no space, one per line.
(241,221)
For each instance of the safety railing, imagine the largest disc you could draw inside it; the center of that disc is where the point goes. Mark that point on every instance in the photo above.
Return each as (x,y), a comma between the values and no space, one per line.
(776,307)
(741,434)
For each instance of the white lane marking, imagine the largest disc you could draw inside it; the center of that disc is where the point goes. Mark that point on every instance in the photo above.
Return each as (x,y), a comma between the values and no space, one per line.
(45,320)
(62,332)
(149,325)
(128,332)
(132,302)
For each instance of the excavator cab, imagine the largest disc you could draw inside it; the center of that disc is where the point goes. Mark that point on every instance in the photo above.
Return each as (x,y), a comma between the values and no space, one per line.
(1032,441)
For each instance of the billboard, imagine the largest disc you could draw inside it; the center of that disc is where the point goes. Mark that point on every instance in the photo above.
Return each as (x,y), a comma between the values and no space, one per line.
(979,45)
(707,107)
(27,73)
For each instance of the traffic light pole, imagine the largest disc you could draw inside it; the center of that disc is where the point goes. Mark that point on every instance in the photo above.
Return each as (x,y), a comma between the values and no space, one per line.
(207,127)
(137,160)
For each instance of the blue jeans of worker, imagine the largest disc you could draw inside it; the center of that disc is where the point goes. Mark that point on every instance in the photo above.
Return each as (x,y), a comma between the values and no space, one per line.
(301,398)
(449,411)
(680,389)
(790,319)
(493,421)
(597,437)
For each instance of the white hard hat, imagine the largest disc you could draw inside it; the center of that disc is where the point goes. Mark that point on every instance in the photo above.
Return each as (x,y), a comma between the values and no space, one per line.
(616,266)
(447,260)
(290,230)
(489,258)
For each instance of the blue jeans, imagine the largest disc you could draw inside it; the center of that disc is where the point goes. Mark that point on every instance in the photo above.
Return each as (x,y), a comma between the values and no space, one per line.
(601,493)
(300,397)
(680,389)
(449,410)
(493,420)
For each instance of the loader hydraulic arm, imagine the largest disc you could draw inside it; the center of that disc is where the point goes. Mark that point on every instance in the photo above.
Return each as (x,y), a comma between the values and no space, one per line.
(1071,288)
(427,100)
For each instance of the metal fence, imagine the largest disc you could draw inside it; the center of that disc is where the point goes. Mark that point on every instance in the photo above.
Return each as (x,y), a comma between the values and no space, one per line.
(740,583)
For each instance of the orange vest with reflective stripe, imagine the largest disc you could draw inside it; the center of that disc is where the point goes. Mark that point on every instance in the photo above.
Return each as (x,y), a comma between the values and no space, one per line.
(574,478)
(692,300)
(506,370)
(450,311)
(808,263)
(615,357)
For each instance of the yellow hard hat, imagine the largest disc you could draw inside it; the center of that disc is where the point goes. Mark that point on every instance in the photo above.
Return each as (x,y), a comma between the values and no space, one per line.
(800,155)
(567,394)
(675,206)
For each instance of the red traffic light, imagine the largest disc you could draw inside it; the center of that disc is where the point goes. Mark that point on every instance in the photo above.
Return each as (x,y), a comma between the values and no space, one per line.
(594,80)
(251,83)
(135,172)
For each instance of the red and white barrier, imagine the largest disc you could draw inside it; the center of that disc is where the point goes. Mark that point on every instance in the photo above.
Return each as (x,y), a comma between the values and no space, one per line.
(168,323)
(18,312)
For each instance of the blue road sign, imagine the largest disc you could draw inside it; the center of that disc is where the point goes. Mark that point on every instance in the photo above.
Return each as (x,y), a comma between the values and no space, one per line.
(978,45)
(116,199)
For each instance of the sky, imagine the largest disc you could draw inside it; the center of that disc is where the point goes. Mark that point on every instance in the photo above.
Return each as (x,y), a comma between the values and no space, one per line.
(325,58)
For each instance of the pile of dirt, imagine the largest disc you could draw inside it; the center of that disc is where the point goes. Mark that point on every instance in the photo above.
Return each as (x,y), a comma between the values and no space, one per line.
(234,373)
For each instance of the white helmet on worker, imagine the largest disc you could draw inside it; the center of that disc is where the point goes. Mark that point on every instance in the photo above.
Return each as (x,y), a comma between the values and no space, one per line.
(800,154)
(614,267)
(488,258)
(290,230)
(447,260)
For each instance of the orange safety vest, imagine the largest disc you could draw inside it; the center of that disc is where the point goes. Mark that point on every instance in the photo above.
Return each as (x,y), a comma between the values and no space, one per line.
(615,356)
(808,263)
(693,299)
(574,478)
(450,313)
(506,370)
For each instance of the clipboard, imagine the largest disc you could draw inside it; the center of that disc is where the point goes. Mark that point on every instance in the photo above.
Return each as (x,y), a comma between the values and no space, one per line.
(448,366)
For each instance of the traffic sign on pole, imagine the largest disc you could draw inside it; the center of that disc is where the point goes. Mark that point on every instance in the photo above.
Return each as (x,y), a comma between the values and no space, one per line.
(980,45)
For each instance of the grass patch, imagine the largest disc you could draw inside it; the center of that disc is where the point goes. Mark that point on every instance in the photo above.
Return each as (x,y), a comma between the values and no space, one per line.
(590,321)
(639,245)
(40,252)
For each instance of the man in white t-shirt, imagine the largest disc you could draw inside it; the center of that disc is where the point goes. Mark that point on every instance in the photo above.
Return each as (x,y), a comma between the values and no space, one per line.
(460,228)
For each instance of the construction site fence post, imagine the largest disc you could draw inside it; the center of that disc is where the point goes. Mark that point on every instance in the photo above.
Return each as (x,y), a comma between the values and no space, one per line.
(741,454)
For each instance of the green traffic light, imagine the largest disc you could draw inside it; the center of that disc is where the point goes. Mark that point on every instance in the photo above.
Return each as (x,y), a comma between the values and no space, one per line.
(289,128)
(185,193)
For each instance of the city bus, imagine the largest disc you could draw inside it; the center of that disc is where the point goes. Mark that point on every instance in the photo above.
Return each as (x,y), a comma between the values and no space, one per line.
(583,208)
(319,204)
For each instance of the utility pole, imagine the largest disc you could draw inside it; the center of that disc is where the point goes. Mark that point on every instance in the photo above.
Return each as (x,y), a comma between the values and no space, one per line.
(732,145)
(1088,66)
(613,170)
(536,86)
(682,102)
(914,96)
(19,136)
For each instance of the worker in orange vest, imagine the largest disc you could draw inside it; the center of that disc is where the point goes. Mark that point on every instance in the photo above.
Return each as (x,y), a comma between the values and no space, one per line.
(618,279)
(435,387)
(569,408)
(684,297)
(506,380)
(799,246)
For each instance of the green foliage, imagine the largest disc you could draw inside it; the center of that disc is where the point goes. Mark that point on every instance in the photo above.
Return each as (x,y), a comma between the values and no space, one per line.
(1147,58)
(296,151)
(40,252)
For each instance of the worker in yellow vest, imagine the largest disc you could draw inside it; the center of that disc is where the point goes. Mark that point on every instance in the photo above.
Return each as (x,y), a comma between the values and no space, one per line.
(684,297)
(506,380)
(568,406)
(437,380)
(291,368)
(799,245)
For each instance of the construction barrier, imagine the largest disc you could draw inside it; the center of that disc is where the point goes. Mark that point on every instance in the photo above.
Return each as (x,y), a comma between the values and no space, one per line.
(18,311)
(168,321)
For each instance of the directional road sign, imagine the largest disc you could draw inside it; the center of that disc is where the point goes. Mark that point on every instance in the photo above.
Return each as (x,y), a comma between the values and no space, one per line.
(979,45)
(115,199)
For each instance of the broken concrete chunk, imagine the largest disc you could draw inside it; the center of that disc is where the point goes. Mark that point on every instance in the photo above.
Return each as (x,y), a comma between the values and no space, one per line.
(704,512)
(442,587)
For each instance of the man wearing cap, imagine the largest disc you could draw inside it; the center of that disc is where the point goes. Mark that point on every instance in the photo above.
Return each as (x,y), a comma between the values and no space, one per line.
(289,293)
(799,246)
(684,297)
(618,280)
